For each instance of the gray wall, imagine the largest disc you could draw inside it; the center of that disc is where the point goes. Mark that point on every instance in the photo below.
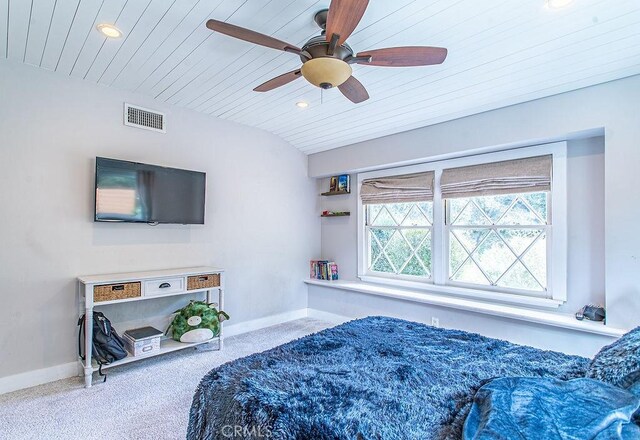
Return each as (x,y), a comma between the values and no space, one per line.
(610,107)
(261,224)
(585,198)
(585,277)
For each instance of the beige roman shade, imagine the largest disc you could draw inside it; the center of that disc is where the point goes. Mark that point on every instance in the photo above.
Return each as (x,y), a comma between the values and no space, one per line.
(398,189)
(532,174)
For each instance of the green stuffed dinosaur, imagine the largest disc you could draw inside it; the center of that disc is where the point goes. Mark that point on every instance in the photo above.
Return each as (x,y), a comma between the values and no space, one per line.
(197,322)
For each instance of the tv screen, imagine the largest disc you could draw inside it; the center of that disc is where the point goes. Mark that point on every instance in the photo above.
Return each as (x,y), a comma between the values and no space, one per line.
(141,193)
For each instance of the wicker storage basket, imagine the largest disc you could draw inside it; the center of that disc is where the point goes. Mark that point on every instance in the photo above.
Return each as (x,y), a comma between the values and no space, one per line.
(111,292)
(203,281)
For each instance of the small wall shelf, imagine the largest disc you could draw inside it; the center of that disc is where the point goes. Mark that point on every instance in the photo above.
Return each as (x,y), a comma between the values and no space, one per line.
(335,193)
(337,214)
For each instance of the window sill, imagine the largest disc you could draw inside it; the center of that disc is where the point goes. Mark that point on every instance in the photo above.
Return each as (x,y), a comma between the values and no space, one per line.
(470,293)
(561,320)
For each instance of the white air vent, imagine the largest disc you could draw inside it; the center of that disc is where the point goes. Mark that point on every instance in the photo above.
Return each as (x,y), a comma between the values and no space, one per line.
(135,116)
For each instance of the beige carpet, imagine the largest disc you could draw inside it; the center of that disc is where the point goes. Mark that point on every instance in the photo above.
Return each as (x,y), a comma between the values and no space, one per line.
(144,400)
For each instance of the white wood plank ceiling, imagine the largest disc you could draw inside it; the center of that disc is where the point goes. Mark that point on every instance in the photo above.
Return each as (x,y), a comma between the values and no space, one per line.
(501,52)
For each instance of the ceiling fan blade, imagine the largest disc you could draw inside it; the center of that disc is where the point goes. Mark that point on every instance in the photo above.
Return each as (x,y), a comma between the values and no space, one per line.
(344,16)
(408,56)
(278,81)
(251,36)
(354,90)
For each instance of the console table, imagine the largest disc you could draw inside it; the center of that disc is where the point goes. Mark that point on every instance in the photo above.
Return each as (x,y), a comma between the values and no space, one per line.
(99,290)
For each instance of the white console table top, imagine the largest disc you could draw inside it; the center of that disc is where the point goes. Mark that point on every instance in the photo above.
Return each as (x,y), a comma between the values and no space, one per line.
(151,274)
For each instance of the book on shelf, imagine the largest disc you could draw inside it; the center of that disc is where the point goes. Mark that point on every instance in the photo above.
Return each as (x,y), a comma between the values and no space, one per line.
(323,270)
(344,183)
(333,184)
(339,184)
(334,271)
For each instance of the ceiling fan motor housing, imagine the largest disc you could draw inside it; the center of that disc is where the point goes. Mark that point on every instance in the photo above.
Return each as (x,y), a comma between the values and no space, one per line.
(319,47)
(322,69)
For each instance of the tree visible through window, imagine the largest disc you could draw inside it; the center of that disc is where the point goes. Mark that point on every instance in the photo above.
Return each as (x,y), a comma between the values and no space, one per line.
(499,240)
(399,238)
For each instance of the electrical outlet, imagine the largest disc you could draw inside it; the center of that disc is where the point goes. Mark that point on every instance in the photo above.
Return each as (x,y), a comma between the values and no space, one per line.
(435,322)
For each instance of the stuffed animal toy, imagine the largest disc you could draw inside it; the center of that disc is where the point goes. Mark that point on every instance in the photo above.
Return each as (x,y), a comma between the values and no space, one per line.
(197,322)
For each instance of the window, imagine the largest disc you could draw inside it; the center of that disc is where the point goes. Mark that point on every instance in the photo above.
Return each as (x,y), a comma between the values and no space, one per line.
(399,239)
(475,226)
(498,241)
(398,223)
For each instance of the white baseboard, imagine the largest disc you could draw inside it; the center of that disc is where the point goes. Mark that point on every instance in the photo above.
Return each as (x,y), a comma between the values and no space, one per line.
(327,316)
(260,323)
(37,377)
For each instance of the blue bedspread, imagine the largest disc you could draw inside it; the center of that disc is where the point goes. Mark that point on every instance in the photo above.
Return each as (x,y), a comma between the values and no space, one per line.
(528,408)
(374,378)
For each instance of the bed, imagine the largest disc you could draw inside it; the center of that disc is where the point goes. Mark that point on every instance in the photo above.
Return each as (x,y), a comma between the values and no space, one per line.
(373,378)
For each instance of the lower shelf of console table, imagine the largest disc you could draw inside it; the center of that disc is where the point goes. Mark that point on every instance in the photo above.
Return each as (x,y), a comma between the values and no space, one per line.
(167,345)
(127,288)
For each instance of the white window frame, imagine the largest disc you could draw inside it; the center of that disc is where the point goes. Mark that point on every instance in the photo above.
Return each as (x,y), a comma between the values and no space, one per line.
(556,293)
(394,276)
(547,227)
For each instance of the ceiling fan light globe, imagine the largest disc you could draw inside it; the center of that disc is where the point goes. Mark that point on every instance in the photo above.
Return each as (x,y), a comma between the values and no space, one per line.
(322,72)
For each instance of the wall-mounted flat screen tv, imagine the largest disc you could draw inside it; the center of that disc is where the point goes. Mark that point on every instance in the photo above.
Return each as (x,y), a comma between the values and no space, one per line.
(141,193)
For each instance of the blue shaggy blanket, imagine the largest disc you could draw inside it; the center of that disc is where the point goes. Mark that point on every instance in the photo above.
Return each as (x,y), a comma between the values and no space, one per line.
(374,378)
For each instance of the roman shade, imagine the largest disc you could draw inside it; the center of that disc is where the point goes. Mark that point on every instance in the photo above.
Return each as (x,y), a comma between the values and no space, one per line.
(531,174)
(416,187)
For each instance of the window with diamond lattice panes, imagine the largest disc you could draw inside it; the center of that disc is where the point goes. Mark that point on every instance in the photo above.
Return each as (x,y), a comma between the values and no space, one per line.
(499,241)
(399,239)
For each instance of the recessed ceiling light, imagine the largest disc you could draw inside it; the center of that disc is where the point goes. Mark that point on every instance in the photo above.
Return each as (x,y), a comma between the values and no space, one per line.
(109,30)
(302,104)
(558,4)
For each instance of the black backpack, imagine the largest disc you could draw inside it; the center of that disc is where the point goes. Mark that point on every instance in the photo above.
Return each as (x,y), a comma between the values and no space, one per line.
(107,345)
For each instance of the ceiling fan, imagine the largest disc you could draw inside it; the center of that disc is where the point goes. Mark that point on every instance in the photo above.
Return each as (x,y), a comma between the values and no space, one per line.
(327,58)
